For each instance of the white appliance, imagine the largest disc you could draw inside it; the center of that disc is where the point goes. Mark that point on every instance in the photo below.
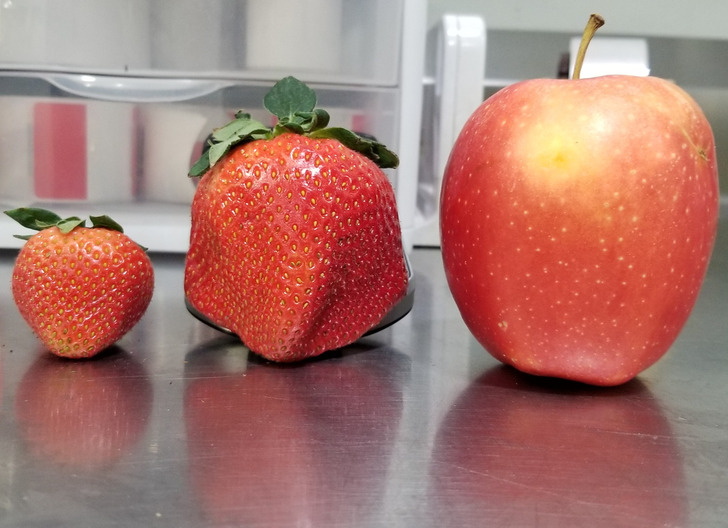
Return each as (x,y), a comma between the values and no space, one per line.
(453,92)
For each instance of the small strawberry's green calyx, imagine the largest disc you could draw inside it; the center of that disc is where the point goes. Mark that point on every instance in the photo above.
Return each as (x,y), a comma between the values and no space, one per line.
(39,219)
(294,105)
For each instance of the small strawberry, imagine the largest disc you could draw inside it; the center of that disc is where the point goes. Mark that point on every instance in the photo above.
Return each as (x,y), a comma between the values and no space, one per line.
(295,244)
(79,288)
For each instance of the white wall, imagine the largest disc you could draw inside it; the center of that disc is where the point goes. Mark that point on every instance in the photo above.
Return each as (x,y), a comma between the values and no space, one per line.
(671,18)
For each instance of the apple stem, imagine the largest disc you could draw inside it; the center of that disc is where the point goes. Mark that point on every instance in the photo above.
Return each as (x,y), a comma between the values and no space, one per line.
(595,22)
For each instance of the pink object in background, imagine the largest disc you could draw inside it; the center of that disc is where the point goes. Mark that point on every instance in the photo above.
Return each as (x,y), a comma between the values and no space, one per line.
(85,151)
(59,151)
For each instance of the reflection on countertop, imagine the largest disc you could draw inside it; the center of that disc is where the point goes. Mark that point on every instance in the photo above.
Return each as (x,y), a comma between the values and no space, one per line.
(579,456)
(416,425)
(316,437)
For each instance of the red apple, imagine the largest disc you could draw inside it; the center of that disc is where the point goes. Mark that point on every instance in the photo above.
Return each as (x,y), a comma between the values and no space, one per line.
(518,450)
(577,221)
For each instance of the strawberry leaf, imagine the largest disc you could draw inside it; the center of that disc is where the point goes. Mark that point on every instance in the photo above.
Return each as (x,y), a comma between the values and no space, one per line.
(218,150)
(230,130)
(34,218)
(289,96)
(375,151)
(39,219)
(289,126)
(294,104)
(243,125)
(303,122)
(106,222)
(69,224)
(201,166)
(241,130)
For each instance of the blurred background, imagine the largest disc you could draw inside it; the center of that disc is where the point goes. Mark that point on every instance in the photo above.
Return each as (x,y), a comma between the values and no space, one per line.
(105,104)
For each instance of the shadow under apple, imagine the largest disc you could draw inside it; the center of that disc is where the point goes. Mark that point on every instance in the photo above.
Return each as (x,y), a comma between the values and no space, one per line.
(519,450)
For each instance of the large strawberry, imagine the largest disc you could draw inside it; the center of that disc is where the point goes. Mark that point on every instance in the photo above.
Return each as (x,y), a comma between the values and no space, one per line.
(79,288)
(295,244)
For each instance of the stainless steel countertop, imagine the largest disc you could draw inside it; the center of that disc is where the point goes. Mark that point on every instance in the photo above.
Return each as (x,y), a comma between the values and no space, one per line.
(413,426)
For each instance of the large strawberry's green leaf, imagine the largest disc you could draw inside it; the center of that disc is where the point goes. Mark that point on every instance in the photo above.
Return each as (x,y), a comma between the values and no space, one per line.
(375,151)
(294,105)
(288,97)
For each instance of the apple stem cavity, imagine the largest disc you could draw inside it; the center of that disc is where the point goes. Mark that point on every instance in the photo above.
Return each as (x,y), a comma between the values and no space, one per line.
(595,22)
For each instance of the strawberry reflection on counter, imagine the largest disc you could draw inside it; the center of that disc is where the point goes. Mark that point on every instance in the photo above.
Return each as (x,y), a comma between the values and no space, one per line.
(87,415)
(290,445)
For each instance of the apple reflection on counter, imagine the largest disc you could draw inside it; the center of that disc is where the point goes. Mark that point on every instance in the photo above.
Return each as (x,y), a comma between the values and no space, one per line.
(518,450)
(305,444)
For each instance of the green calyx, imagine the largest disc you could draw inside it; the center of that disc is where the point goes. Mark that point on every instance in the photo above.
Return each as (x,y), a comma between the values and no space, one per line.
(294,104)
(39,219)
